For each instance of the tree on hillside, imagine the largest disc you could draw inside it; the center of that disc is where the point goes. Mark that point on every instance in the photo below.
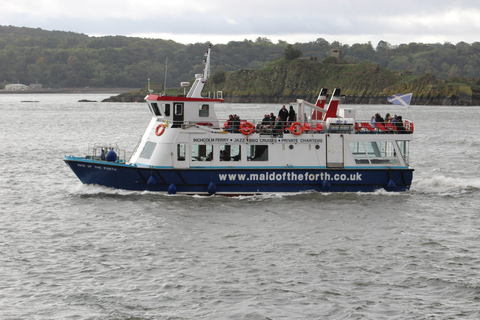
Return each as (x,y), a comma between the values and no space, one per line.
(292,53)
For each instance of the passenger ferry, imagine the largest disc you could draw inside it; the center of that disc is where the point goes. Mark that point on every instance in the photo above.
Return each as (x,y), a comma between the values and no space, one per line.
(186,149)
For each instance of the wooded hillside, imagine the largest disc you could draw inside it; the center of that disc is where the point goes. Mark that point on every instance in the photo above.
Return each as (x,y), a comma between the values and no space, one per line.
(60,59)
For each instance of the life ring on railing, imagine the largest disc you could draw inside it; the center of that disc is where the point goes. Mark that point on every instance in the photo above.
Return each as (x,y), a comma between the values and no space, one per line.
(409,126)
(296,128)
(247,128)
(160,129)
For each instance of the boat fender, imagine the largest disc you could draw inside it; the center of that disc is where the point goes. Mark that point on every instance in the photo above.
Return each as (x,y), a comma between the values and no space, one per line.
(151,181)
(391,186)
(212,188)
(111,156)
(296,128)
(326,186)
(247,128)
(172,189)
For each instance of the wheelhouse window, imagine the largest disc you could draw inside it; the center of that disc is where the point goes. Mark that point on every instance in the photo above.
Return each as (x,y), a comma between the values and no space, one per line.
(202,152)
(374,152)
(203,110)
(155,109)
(257,153)
(230,153)
(166,109)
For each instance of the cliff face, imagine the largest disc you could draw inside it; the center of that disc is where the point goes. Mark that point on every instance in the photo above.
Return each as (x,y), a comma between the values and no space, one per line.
(364,83)
(360,83)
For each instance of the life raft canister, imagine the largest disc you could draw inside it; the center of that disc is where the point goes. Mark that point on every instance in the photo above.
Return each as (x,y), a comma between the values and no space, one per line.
(247,128)
(296,128)
(161,128)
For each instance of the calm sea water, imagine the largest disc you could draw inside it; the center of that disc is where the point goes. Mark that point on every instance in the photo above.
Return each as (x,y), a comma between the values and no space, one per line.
(69,251)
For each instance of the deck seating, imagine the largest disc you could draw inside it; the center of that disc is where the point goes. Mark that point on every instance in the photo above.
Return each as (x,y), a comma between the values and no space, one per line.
(367,126)
(381,127)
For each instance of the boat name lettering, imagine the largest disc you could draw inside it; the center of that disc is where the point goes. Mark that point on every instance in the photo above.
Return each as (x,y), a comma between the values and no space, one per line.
(96,167)
(291,176)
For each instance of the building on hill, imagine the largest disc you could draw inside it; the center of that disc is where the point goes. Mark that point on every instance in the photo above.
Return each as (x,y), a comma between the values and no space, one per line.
(337,53)
(35,86)
(16,87)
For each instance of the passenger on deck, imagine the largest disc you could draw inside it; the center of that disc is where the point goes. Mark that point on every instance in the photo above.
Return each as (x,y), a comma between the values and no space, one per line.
(230,124)
(266,120)
(291,115)
(379,119)
(272,119)
(265,125)
(400,126)
(283,114)
(236,123)
(278,128)
(372,122)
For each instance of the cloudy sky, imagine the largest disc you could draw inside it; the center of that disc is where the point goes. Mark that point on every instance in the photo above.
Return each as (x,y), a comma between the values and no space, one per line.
(187,21)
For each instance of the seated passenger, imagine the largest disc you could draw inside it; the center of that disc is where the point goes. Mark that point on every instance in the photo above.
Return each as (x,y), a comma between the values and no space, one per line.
(278,128)
(265,120)
(230,124)
(400,126)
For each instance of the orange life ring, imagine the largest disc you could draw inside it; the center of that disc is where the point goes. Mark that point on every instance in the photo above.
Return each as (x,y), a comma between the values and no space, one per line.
(296,128)
(409,126)
(161,126)
(247,128)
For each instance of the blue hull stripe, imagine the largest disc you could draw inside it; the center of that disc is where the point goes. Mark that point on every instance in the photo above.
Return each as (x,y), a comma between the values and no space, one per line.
(239,180)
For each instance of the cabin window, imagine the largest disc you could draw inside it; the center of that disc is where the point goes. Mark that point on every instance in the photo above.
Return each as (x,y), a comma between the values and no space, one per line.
(148,150)
(202,152)
(203,110)
(230,153)
(155,109)
(181,150)
(403,146)
(374,152)
(166,109)
(257,153)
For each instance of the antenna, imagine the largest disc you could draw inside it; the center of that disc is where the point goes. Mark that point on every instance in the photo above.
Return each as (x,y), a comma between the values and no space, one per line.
(165,83)
(184,85)
(148,86)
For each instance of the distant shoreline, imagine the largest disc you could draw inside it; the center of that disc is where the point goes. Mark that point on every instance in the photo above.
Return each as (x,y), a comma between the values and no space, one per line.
(71,90)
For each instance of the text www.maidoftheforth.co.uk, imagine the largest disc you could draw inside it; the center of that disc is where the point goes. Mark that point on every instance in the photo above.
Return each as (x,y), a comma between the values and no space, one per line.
(290,176)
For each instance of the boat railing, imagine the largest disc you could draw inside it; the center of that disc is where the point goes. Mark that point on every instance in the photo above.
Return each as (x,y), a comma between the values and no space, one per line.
(332,125)
(272,127)
(106,152)
(404,127)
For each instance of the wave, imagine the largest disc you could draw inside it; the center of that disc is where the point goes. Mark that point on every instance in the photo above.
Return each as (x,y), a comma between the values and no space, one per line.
(445,185)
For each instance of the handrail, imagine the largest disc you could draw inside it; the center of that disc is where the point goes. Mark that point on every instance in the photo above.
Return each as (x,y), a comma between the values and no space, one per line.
(333,125)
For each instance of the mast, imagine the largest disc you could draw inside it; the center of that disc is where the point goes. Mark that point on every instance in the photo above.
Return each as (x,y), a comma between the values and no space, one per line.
(200,79)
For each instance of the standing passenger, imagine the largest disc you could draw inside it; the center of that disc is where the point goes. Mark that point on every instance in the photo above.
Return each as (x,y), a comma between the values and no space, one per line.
(283,114)
(291,115)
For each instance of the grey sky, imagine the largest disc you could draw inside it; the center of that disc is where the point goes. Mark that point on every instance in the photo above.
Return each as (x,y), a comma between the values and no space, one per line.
(188,21)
